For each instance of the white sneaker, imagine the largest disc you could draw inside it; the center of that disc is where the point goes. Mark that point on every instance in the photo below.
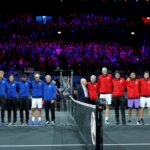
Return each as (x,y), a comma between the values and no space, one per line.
(53,123)
(138,122)
(107,122)
(10,124)
(47,123)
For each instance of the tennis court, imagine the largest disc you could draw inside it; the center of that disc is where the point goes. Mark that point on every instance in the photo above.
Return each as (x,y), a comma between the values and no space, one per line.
(66,136)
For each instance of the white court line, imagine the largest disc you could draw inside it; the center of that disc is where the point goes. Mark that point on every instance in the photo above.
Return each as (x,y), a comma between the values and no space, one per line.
(50,145)
(129,144)
(72,145)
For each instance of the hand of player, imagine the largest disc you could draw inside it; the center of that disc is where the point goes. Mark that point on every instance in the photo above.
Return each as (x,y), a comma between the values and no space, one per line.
(128,79)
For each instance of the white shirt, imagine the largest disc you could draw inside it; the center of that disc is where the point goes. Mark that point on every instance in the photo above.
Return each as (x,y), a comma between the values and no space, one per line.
(85,90)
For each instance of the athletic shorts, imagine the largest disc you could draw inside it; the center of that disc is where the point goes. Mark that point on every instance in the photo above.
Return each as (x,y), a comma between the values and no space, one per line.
(134,103)
(108,98)
(145,101)
(36,103)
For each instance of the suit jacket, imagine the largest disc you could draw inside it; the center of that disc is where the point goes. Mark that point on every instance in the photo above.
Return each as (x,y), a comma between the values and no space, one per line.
(80,94)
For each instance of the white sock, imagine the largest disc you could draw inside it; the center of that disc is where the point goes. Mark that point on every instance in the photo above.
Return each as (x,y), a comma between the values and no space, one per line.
(33,119)
(39,119)
(106,118)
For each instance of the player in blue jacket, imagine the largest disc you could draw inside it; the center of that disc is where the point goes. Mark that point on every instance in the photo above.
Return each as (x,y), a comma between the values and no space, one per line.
(24,98)
(2,96)
(11,88)
(49,96)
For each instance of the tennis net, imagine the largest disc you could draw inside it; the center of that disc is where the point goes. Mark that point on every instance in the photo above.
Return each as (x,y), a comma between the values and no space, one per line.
(85,116)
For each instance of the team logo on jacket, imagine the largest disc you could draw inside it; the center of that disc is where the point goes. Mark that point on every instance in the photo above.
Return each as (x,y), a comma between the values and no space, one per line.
(93,128)
(121,81)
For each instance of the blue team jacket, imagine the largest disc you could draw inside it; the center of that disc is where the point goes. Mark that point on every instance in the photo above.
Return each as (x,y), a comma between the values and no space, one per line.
(37,89)
(49,91)
(11,89)
(3,87)
(24,89)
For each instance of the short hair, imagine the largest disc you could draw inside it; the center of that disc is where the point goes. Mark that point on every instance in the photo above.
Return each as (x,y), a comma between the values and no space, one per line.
(117,71)
(132,72)
(93,76)
(36,74)
(1,71)
(11,75)
(104,68)
(24,76)
(146,72)
(47,76)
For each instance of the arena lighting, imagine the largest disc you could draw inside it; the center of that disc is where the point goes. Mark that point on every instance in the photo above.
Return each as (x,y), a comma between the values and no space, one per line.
(59,32)
(148,18)
(132,33)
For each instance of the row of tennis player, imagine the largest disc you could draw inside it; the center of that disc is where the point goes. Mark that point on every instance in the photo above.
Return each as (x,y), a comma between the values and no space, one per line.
(14,94)
(113,90)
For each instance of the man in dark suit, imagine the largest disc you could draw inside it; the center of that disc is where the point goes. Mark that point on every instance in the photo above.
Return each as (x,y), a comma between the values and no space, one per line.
(82,92)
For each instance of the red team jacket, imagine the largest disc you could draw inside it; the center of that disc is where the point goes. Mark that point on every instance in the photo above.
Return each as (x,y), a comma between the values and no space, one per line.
(133,88)
(92,90)
(105,84)
(118,87)
(145,87)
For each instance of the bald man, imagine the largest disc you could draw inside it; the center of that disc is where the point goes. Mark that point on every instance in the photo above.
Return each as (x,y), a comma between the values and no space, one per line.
(82,92)
(92,87)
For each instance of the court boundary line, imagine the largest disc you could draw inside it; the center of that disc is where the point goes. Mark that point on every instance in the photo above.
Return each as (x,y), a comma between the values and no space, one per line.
(73,145)
(129,144)
(44,145)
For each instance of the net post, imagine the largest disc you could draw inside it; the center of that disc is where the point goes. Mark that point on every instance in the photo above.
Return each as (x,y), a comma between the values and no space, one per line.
(71,82)
(99,127)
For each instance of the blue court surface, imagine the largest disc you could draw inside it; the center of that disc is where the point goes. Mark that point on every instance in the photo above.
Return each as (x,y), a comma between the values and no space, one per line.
(65,135)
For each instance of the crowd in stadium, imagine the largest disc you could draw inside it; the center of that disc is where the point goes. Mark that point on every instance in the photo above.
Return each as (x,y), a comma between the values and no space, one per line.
(25,43)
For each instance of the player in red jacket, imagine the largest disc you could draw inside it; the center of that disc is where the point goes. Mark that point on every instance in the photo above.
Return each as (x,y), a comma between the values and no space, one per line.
(118,84)
(105,90)
(133,94)
(92,87)
(145,94)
